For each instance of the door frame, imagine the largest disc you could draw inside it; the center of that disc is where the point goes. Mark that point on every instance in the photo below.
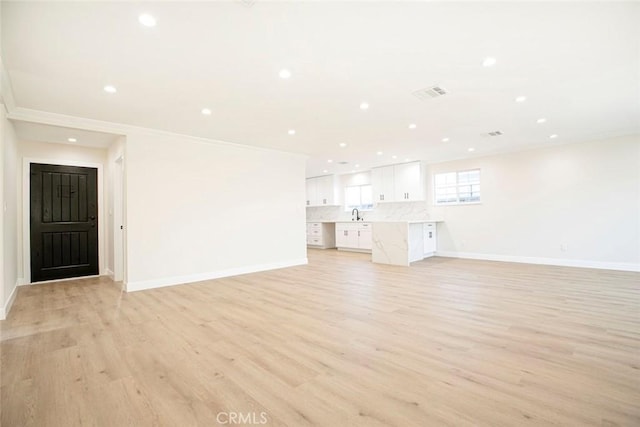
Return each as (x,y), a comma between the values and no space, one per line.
(119,256)
(26,213)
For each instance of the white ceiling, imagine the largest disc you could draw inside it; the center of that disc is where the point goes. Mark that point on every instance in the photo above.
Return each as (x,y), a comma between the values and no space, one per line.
(60,135)
(577,63)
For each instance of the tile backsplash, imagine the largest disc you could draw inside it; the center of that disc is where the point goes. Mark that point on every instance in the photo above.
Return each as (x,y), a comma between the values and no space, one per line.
(403,211)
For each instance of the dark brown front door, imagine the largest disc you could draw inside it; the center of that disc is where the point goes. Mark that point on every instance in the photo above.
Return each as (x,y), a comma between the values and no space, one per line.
(64,222)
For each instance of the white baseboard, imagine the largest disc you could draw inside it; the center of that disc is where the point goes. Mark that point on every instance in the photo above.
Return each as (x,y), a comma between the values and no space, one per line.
(562,262)
(4,311)
(179,280)
(109,273)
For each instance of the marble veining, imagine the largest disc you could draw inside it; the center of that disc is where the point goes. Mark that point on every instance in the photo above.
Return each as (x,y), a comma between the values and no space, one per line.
(390,243)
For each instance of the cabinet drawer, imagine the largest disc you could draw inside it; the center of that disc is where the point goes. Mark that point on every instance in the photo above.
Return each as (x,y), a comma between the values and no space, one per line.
(315,224)
(314,241)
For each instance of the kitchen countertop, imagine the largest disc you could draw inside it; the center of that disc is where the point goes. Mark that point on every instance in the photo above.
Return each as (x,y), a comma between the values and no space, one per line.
(414,221)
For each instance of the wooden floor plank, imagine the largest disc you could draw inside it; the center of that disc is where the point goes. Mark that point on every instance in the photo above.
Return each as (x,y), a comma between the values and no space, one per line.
(338,342)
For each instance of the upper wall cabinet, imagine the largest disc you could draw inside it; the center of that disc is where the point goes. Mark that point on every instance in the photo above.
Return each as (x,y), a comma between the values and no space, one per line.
(322,191)
(397,183)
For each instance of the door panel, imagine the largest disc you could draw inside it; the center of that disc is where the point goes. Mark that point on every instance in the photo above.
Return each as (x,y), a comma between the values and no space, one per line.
(64,222)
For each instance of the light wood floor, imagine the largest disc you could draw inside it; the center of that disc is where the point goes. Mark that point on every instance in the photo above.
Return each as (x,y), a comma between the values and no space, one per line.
(341,342)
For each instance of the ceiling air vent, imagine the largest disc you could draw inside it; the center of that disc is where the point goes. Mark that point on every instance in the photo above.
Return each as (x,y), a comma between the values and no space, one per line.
(430,92)
(494,133)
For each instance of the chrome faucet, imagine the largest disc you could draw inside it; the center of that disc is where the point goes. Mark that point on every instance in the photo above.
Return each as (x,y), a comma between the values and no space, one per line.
(357,214)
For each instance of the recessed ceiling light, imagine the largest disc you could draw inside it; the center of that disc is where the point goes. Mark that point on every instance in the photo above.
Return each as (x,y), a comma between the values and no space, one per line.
(406,160)
(394,157)
(445,139)
(489,61)
(110,89)
(353,171)
(284,73)
(357,166)
(206,111)
(554,136)
(521,98)
(292,132)
(412,126)
(471,149)
(542,120)
(71,139)
(342,144)
(379,153)
(329,161)
(325,171)
(364,106)
(147,20)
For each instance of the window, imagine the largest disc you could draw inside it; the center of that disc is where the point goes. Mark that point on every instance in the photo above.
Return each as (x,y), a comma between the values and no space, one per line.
(358,196)
(454,188)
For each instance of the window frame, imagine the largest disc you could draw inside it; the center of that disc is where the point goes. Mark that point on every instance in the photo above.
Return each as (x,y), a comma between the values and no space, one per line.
(361,207)
(457,186)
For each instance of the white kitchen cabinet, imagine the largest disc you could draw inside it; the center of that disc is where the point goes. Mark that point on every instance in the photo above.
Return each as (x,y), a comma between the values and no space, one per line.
(397,183)
(382,183)
(365,237)
(321,235)
(430,239)
(322,191)
(312,191)
(407,181)
(354,236)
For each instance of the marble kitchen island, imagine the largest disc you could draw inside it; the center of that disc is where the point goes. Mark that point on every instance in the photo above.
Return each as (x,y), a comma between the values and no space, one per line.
(403,242)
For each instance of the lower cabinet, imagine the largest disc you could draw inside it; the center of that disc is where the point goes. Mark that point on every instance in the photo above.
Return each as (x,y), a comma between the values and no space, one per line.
(321,235)
(430,239)
(353,236)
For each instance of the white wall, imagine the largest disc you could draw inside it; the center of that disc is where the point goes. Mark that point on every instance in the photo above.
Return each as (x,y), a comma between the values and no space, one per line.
(583,196)
(198,210)
(9,221)
(114,152)
(60,154)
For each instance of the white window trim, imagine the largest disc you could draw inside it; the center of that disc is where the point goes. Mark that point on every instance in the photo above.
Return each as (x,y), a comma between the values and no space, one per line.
(456,185)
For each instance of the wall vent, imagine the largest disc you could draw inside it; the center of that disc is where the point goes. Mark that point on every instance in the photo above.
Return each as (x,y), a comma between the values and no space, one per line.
(430,92)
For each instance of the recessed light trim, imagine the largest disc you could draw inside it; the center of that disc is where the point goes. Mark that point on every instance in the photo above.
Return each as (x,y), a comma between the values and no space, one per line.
(147,20)
(541,120)
(72,139)
(357,166)
(329,161)
(206,111)
(291,131)
(489,61)
(445,139)
(394,157)
(554,136)
(364,106)
(412,126)
(110,89)
(325,171)
(521,98)
(342,144)
(379,153)
(471,149)
(284,73)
